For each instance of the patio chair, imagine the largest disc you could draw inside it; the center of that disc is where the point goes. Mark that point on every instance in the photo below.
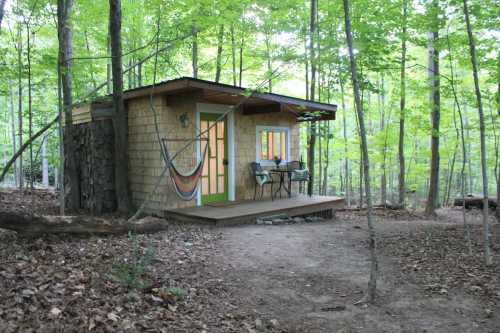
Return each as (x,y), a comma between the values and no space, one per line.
(262,178)
(297,174)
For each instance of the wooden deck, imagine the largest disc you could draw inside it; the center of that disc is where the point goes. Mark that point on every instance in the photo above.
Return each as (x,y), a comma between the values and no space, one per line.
(250,210)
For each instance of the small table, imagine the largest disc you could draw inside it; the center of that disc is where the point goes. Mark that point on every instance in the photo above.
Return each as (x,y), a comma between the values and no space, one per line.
(281,172)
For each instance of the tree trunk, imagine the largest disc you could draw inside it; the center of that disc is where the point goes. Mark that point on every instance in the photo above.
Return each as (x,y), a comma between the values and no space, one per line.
(233,53)
(498,167)
(45,164)
(269,62)
(194,58)
(220,40)
(435,101)
(383,177)
(372,284)
(2,8)
(109,81)
(120,117)
(30,101)
(71,183)
(13,132)
(35,225)
(402,103)
(20,101)
(241,60)
(484,171)
(346,149)
(312,132)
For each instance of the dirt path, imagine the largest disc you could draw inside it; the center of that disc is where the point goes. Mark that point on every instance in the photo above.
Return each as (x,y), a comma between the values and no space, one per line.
(303,275)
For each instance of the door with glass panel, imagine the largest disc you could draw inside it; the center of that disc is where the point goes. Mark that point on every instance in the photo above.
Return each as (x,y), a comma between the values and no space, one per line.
(214,177)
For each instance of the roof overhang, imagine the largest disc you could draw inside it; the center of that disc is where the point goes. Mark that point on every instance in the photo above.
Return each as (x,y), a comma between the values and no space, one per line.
(257,102)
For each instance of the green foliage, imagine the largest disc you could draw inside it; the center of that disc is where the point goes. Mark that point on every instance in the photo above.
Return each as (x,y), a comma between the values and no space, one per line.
(130,272)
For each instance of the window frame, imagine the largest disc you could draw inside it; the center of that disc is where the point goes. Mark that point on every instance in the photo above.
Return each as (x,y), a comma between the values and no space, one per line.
(258,130)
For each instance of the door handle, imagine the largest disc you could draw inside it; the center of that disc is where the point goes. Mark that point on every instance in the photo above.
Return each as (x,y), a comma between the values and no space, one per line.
(225,162)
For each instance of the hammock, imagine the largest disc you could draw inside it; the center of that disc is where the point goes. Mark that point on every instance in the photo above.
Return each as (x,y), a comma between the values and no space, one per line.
(185,184)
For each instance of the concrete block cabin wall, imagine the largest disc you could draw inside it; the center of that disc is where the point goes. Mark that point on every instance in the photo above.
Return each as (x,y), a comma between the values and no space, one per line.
(245,150)
(146,163)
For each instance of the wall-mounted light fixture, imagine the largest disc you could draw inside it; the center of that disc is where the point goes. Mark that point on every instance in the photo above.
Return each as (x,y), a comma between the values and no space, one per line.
(184,119)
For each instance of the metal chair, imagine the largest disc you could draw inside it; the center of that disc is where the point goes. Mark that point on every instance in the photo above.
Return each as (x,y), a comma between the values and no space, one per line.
(297,174)
(261,177)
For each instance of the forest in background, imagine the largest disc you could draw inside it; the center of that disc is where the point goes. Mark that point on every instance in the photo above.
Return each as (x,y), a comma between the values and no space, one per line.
(302,52)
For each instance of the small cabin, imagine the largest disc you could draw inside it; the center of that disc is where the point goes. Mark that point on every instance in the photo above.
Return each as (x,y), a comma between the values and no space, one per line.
(263,125)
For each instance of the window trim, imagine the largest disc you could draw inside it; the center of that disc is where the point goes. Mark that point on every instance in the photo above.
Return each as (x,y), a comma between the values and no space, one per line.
(260,128)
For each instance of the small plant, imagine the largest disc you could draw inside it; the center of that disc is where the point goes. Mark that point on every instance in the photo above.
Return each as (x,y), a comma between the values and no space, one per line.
(131,273)
(177,292)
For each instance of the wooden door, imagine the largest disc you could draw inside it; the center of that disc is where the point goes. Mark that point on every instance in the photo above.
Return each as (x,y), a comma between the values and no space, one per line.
(214,177)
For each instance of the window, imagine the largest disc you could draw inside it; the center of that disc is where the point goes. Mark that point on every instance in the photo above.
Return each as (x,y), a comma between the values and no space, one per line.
(272,141)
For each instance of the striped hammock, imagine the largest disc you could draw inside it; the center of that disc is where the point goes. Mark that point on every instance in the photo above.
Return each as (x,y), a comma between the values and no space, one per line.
(185,184)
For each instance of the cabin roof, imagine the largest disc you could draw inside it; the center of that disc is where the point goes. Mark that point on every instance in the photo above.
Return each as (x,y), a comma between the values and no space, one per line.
(220,93)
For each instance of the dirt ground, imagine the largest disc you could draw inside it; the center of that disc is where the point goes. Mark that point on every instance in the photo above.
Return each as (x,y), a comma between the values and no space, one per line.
(305,277)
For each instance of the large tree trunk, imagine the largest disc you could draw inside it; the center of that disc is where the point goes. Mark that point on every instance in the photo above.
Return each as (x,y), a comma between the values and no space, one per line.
(71,183)
(312,132)
(218,65)
(435,101)
(194,51)
(120,117)
(484,171)
(402,103)
(372,284)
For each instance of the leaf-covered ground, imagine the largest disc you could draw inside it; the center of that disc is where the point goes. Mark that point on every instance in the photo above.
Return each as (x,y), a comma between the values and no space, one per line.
(289,278)
(438,260)
(71,284)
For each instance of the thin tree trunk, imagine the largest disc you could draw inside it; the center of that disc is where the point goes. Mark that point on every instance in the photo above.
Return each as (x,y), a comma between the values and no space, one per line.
(71,184)
(233,53)
(120,118)
(218,65)
(486,228)
(402,103)
(13,132)
(20,102)
(498,146)
(194,51)
(306,63)
(346,149)
(45,164)
(372,284)
(2,10)
(383,177)
(269,62)
(87,46)
(62,157)
(435,101)
(30,101)
(241,59)
(109,82)
(312,133)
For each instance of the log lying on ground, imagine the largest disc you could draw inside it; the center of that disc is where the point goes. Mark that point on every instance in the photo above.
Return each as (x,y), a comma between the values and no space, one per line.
(475,202)
(32,225)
